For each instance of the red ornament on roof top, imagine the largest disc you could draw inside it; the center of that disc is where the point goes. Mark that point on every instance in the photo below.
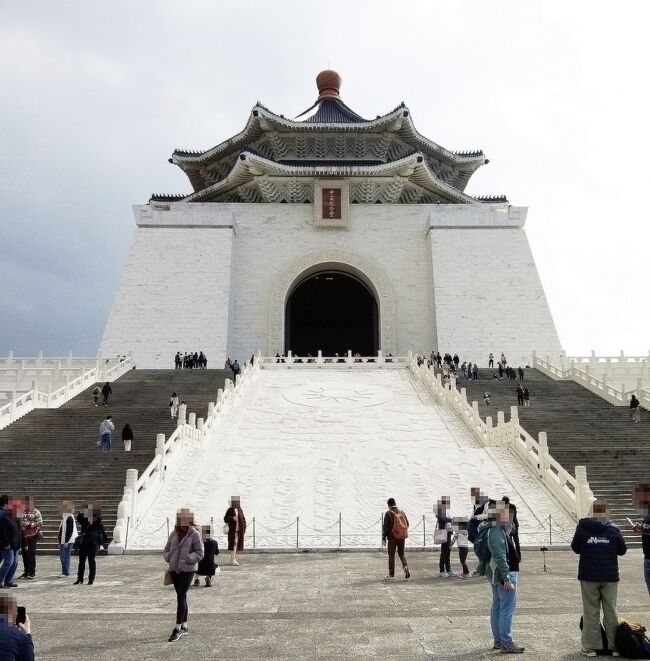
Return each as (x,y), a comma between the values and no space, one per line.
(329,84)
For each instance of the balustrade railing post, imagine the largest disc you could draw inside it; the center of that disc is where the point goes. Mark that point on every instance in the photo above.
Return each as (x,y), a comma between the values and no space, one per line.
(340,533)
(253,532)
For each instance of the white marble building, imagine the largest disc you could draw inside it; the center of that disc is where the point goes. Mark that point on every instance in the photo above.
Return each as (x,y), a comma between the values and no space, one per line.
(329,232)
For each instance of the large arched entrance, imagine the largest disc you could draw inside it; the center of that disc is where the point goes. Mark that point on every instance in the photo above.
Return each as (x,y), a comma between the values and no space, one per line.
(332,311)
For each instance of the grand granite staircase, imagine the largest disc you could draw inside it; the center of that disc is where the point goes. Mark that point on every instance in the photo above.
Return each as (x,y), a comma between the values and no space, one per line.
(582,429)
(52,453)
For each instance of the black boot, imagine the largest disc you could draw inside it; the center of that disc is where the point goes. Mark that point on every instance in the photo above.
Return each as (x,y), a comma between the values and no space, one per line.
(79,581)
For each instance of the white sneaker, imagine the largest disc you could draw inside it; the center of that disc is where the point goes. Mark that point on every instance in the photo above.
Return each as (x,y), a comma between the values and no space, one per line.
(443,574)
(389,578)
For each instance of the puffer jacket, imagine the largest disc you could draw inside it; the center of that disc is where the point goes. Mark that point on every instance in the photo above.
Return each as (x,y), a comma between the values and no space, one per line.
(598,543)
(184,555)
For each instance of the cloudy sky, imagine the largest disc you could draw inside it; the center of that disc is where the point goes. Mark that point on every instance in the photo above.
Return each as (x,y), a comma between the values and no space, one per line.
(96,95)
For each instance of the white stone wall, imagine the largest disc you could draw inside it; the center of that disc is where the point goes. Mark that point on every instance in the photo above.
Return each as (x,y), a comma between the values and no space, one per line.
(488,295)
(179,292)
(173,296)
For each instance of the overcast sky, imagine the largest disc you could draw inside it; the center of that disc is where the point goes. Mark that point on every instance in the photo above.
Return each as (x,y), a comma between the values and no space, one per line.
(94,97)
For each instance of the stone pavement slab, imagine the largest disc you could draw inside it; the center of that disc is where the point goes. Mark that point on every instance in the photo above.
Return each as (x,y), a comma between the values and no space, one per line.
(310,606)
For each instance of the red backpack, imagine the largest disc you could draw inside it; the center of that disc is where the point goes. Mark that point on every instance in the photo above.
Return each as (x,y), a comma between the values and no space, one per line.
(400,528)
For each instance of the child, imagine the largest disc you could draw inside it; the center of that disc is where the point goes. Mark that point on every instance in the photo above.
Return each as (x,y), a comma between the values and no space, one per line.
(462,541)
(486,398)
(207,566)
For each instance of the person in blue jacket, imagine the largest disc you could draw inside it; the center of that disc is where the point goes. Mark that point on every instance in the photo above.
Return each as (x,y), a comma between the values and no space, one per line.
(16,642)
(598,542)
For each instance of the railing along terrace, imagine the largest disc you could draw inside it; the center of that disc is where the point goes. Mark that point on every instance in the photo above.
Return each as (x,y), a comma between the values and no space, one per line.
(342,361)
(140,492)
(53,398)
(573,493)
(615,379)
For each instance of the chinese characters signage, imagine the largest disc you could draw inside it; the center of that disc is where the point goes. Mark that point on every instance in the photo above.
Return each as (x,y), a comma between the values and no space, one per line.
(331,203)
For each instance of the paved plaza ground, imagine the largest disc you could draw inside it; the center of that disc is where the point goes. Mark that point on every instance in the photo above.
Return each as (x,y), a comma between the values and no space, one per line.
(310,606)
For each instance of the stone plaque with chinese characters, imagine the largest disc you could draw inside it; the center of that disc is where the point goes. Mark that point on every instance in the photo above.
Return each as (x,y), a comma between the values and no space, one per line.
(331,203)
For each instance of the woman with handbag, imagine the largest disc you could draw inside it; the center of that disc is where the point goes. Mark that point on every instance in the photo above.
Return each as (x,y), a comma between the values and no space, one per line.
(183,551)
(443,536)
(235,528)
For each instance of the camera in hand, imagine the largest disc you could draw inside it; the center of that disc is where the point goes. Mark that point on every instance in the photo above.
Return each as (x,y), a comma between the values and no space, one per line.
(21,616)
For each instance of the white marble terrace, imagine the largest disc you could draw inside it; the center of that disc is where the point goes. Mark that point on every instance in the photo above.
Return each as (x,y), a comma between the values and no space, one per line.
(318,444)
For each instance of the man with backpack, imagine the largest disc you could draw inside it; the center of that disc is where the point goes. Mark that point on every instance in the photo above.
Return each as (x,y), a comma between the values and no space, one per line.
(598,542)
(499,562)
(395,530)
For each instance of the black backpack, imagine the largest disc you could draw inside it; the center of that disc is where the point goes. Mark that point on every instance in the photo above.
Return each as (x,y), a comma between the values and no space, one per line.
(631,640)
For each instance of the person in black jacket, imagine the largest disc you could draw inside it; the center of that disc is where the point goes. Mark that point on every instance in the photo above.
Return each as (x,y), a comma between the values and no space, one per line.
(10,542)
(127,437)
(107,391)
(92,537)
(598,542)
(207,566)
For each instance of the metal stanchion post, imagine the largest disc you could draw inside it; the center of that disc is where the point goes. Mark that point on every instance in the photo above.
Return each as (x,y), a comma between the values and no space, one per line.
(550,530)
(297,531)
(424,531)
(253,532)
(167,527)
(340,536)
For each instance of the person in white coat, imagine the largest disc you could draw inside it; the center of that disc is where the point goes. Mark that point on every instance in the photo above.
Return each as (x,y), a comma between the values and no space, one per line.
(105,430)
(173,405)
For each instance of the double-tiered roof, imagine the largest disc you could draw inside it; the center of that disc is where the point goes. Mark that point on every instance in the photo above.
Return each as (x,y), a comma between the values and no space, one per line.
(275,159)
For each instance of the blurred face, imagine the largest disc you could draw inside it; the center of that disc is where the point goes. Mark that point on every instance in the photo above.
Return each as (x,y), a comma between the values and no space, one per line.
(642,498)
(29,502)
(475,493)
(8,607)
(502,513)
(184,518)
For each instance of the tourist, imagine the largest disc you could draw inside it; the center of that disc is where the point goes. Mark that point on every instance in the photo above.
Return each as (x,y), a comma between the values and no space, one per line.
(520,395)
(598,542)
(498,560)
(10,542)
(16,642)
(203,361)
(456,360)
(635,409)
(92,537)
(173,405)
(207,566)
(501,371)
(443,536)
(105,430)
(486,398)
(479,514)
(183,551)
(32,524)
(4,504)
(459,525)
(127,437)
(178,363)
(642,501)
(526,396)
(66,536)
(475,372)
(514,532)
(236,371)
(97,391)
(236,521)
(504,360)
(394,532)
(107,391)
(491,360)
(521,373)
(227,364)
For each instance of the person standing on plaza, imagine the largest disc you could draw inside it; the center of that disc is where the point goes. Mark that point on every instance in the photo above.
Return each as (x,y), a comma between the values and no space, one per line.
(178,361)
(635,409)
(491,360)
(461,540)
(66,536)
(498,563)
(207,566)
(16,642)
(10,525)
(236,521)
(504,360)
(520,370)
(443,536)
(127,437)
(642,501)
(92,538)
(183,552)
(475,372)
(105,430)
(31,533)
(107,391)
(394,533)
(598,542)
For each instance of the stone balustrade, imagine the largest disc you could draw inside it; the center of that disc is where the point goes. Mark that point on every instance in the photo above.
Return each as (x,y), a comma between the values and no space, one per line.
(21,404)
(344,361)
(572,492)
(140,492)
(614,378)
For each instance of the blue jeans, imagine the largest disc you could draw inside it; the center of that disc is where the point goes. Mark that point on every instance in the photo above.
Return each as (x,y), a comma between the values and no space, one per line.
(646,571)
(106,442)
(64,555)
(504,603)
(9,565)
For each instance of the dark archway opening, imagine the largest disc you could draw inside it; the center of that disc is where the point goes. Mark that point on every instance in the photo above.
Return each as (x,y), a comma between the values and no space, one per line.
(334,312)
